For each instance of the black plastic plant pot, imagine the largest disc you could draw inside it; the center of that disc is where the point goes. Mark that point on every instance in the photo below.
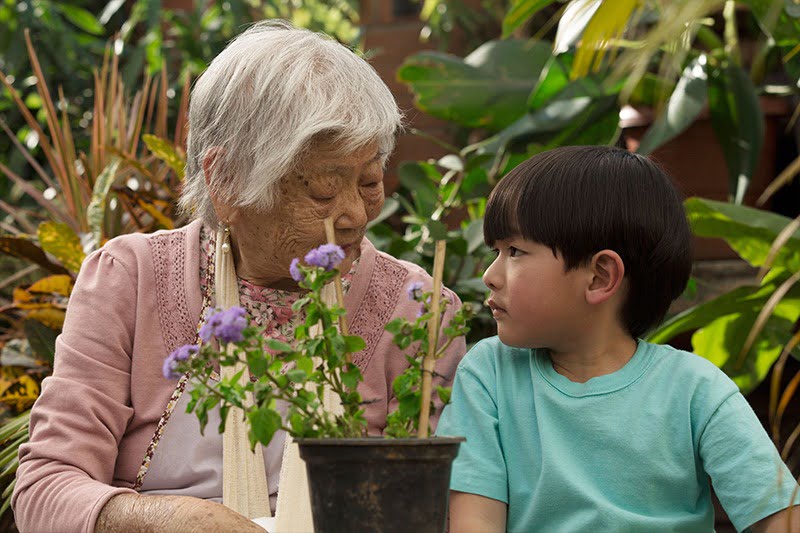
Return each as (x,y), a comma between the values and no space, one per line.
(379,485)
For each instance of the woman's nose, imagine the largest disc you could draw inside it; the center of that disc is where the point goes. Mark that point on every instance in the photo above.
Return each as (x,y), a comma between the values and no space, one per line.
(353,212)
(492,277)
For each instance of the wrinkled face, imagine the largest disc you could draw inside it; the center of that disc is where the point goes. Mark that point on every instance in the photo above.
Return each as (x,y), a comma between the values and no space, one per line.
(347,188)
(535,302)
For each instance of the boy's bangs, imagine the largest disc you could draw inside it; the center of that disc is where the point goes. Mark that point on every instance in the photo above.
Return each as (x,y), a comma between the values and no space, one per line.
(501,220)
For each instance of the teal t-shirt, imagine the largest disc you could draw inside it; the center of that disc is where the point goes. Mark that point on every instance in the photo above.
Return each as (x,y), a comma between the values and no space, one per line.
(628,451)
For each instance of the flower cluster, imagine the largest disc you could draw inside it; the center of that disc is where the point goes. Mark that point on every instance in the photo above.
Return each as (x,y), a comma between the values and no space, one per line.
(327,257)
(184,353)
(296,374)
(227,326)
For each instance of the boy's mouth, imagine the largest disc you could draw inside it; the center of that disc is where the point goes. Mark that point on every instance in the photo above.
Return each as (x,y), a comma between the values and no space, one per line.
(497,310)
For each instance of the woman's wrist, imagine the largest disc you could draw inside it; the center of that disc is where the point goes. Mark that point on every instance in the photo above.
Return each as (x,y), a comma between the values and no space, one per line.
(134,513)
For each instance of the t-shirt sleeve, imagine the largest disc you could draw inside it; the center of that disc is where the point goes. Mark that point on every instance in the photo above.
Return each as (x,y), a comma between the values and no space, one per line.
(747,473)
(480,467)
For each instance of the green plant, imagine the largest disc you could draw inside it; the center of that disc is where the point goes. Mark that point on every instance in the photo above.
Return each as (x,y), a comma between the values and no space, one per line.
(124,182)
(696,61)
(752,329)
(318,361)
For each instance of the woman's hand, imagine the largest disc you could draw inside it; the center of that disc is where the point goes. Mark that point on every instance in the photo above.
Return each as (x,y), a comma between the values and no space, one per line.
(134,513)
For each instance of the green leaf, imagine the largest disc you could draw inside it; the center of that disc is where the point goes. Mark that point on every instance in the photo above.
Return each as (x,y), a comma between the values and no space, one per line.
(487,89)
(473,234)
(749,231)
(264,422)
(80,18)
(306,364)
(521,11)
(279,346)
(556,117)
(42,339)
(257,362)
(354,343)
(444,394)
(95,212)
(416,177)
(296,375)
(742,300)
(352,377)
(553,79)
(685,103)
(166,152)
(738,123)
(62,243)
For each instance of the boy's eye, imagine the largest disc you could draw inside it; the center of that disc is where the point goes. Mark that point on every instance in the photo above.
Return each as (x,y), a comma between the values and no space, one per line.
(513,252)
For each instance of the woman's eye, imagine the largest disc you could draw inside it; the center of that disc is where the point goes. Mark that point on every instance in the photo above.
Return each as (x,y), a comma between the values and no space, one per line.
(371,185)
(322,198)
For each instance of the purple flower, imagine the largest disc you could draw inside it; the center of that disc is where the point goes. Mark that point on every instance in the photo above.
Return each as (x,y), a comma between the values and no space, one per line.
(226,325)
(183,353)
(327,256)
(294,270)
(414,290)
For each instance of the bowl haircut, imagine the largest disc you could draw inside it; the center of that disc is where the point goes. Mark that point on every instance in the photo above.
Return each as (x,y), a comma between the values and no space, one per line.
(579,200)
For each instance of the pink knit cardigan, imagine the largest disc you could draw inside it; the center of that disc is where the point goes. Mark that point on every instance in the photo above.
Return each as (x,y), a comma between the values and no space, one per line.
(136,300)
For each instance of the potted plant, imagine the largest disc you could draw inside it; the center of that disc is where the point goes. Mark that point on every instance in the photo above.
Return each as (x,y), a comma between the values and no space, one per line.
(356,483)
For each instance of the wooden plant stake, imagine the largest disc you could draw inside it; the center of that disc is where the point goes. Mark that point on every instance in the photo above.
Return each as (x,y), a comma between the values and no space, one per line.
(429,361)
(330,235)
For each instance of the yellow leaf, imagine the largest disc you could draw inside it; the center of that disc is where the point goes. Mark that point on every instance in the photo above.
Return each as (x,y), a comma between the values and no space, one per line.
(8,376)
(21,394)
(60,284)
(167,152)
(61,242)
(25,300)
(161,219)
(51,317)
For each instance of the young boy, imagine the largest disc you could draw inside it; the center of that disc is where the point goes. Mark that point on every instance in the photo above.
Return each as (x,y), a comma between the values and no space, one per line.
(573,423)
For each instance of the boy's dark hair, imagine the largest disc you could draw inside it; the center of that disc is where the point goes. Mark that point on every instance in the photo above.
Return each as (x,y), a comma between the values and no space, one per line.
(578,200)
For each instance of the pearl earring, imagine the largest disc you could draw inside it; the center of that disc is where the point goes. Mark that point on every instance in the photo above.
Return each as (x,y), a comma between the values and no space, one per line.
(226,247)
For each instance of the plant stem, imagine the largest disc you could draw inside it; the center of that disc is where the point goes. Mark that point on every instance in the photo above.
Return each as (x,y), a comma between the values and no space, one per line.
(433,337)
(731,32)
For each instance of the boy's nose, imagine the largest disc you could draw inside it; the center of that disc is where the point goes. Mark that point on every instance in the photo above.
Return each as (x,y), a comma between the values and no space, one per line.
(491,277)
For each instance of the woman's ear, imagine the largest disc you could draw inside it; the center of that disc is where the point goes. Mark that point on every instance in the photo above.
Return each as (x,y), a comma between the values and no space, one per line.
(225,212)
(608,273)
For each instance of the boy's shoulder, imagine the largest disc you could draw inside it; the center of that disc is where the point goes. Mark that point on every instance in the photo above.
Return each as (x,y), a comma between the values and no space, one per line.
(686,369)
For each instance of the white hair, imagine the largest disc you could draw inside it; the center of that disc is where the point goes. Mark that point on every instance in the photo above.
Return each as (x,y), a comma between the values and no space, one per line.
(264,100)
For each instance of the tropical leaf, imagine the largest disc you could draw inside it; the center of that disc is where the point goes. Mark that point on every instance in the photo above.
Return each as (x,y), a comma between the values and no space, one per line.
(749,231)
(487,89)
(738,123)
(607,23)
(21,394)
(51,317)
(62,243)
(60,284)
(685,103)
(24,247)
(81,18)
(521,11)
(42,339)
(95,211)
(167,152)
(162,220)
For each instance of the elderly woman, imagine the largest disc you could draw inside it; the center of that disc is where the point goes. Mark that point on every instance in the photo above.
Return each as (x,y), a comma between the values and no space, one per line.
(287,128)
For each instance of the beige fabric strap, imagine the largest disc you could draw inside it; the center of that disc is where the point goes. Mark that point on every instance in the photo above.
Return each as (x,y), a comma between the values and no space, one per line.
(244,477)
(293,511)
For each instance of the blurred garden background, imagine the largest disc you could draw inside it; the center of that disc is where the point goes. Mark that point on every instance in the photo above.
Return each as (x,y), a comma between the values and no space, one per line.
(93,105)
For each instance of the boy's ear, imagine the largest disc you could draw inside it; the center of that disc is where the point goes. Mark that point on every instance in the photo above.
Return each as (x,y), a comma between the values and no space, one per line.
(225,213)
(608,273)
